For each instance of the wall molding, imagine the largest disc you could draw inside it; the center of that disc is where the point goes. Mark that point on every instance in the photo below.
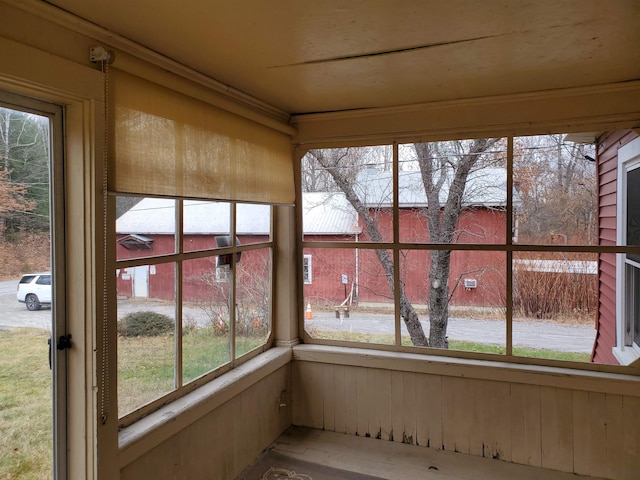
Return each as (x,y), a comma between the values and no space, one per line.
(593,381)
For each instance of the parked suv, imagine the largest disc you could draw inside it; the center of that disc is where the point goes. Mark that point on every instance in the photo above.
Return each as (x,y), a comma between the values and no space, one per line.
(34,290)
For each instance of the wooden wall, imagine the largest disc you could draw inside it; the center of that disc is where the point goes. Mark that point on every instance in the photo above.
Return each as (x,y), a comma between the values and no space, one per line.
(526,418)
(219,445)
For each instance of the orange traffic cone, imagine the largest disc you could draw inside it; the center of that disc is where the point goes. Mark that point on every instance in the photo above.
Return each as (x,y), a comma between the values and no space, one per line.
(309,314)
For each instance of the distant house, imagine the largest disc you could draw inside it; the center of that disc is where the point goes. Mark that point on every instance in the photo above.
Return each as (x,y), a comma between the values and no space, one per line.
(618,321)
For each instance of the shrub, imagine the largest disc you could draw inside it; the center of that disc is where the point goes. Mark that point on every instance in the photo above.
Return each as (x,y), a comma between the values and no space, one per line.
(145,324)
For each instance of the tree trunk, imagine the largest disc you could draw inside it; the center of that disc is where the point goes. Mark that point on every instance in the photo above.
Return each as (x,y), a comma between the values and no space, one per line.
(435,168)
(407,310)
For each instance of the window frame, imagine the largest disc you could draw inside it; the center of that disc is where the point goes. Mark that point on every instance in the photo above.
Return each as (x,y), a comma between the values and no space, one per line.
(626,349)
(510,247)
(178,257)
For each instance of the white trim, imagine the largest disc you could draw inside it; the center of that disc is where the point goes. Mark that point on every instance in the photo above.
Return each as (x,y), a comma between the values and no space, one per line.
(628,159)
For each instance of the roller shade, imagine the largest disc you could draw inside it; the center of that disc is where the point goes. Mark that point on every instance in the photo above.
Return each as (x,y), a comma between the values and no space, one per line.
(170,144)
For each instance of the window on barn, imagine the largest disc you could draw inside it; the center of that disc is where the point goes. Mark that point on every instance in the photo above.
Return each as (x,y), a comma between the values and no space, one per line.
(627,347)
(307,268)
(480,245)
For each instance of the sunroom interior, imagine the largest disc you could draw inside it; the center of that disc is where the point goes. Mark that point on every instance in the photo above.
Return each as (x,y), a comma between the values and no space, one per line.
(219,103)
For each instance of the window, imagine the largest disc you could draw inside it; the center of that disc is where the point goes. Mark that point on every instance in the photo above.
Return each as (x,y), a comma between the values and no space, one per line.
(307,272)
(44,280)
(397,232)
(186,175)
(627,347)
(194,284)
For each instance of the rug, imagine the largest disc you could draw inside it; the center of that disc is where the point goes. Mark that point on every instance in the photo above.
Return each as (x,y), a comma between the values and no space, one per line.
(275,466)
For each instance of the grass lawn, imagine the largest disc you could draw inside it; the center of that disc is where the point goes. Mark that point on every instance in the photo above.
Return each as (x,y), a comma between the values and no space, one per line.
(25,405)
(146,364)
(466,346)
(145,371)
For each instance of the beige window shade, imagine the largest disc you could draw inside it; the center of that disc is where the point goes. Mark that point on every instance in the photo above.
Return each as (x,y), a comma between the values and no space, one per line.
(167,143)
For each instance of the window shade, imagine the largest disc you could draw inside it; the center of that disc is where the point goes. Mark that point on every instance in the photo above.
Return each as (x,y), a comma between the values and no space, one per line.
(167,143)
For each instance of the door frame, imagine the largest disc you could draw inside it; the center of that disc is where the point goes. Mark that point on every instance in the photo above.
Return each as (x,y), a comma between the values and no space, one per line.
(59,358)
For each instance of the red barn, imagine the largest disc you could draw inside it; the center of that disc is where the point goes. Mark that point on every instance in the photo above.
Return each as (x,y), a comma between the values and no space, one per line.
(332,274)
(148,228)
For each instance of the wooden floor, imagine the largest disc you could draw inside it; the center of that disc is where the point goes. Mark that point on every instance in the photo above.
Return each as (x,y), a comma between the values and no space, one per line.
(396,461)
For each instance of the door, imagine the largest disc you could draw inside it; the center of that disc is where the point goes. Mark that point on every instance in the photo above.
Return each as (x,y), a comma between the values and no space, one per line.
(32,235)
(141,281)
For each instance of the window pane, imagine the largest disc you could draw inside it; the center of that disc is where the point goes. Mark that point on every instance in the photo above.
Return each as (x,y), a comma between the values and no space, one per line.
(633,211)
(429,176)
(253,299)
(205,317)
(145,227)
(555,197)
(146,351)
(204,222)
(253,223)
(555,299)
(350,298)
(459,296)
(631,299)
(340,185)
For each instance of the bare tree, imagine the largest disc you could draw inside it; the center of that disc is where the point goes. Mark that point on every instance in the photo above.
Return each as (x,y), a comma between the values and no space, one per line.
(437,169)
(444,171)
(24,159)
(334,163)
(556,184)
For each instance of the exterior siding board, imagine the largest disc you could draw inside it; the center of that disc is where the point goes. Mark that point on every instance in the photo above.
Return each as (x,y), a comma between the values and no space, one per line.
(607,189)
(161,284)
(478,225)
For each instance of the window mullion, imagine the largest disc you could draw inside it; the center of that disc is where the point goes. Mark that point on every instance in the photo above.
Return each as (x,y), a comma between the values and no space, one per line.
(396,251)
(509,252)
(179,247)
(232,285)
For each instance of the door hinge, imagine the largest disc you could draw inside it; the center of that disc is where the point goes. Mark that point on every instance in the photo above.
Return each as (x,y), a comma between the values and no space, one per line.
(64,342)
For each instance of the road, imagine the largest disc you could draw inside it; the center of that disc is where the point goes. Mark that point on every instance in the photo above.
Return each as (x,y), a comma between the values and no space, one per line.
(15,314)
(548,335)
(568,338)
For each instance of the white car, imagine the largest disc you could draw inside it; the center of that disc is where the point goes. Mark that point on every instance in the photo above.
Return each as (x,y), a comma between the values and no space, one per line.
(34,290)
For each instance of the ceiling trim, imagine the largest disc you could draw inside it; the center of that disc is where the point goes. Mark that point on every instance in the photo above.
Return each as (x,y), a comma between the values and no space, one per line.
(84,27)
(555,111)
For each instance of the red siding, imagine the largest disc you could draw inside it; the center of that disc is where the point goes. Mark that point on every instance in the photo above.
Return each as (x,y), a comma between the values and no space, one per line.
(161,282)
(475,226)
(607,179)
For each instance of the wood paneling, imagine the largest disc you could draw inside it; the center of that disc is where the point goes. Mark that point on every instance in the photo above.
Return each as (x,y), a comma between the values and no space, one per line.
(525,424)
(571,430)
(221,444)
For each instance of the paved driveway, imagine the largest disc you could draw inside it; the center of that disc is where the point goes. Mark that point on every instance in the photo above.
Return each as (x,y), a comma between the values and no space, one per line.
(15,314)
(568,338)
(548,335)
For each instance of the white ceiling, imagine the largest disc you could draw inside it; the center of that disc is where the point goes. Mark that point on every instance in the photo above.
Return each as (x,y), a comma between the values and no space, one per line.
(306,56)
